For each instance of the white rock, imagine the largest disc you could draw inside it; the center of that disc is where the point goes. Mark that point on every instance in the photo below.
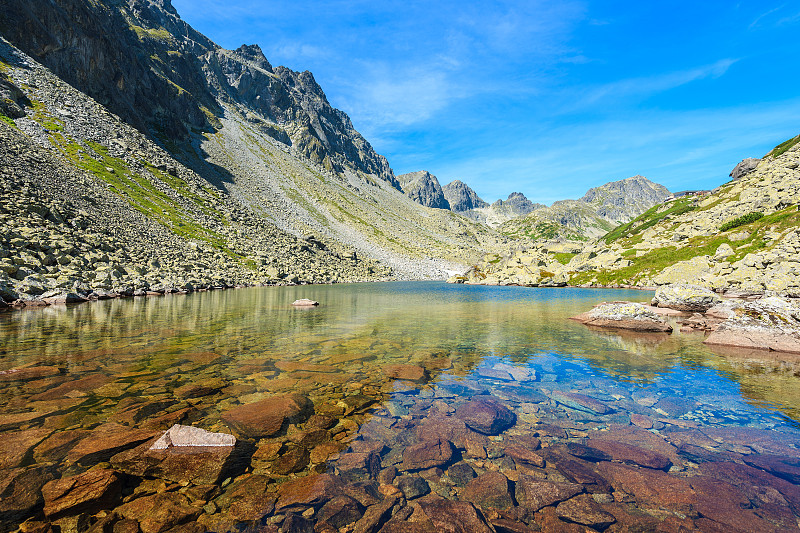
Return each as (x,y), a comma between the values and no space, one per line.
(179,435)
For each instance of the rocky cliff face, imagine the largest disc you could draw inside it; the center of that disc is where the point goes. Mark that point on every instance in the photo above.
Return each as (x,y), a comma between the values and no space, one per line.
(597,212)
(423,188)
(140,60)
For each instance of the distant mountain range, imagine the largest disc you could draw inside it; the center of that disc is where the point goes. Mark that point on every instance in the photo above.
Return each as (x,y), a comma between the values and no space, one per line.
(600,210)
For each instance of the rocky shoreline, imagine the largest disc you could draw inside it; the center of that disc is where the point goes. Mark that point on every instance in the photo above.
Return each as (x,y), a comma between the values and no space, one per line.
(768,323)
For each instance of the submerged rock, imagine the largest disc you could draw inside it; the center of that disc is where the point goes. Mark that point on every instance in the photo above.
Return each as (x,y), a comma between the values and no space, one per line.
(88,492)
(768,324)
(486,416)
(265,418)
(624,315)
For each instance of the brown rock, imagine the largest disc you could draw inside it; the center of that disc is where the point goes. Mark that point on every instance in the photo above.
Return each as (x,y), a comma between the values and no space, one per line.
(295,459)
(376,515)
(648,485)
(587,453)
(321,422)
(489,490)
(427,454)
(585,511)
(784,467)
(358,466)
(107,440)
(21,493)
(88,492)
(200,465)
(626,453)
(445,427)
(453,516)
(160,512)
(524,455)
(56,446)
(533,494)
(406,372)
(340,511)
(644,422)
(200,389)
(28,373)
(486,416)
(247,499)
(307,491)
(76,386)
(505,525)
(16,446)
(266,418)
(730,507)
(311,437)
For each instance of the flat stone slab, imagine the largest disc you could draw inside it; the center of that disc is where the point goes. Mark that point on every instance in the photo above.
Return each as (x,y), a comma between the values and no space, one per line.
(305,302)
(179,436)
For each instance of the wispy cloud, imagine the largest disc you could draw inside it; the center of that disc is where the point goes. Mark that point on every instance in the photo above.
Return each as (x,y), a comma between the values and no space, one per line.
(390,100)
(643,87)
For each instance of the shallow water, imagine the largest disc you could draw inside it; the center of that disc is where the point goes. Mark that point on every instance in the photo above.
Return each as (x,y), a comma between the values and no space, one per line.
(150,362)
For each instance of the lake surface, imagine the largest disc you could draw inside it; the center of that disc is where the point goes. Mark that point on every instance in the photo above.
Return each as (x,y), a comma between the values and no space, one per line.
(678,435)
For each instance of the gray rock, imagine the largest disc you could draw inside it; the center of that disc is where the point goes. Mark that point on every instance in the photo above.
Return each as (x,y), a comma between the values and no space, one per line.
(746,166)
(423,188)
(461,197)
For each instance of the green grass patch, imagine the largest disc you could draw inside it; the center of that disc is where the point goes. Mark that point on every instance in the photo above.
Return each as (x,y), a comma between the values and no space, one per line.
(8,120)
(653,262)
(741,221)
(784,147)
(138,191)
(650,218)
(564,257)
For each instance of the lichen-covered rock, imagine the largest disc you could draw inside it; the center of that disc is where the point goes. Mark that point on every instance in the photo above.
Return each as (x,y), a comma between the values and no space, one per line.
(624,315)
(768,324)
(688,298)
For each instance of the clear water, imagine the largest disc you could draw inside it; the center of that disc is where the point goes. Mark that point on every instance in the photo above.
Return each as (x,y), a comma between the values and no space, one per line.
(112,354)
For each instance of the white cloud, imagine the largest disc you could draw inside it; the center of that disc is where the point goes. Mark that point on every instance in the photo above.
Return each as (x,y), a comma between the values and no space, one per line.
(644,87)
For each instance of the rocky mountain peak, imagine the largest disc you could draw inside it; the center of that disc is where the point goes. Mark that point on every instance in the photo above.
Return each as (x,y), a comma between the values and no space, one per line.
(516,205)
(253,53)
(461,197)
(423,188)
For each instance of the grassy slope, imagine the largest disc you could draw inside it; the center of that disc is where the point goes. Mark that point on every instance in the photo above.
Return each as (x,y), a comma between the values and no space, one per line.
(652,262)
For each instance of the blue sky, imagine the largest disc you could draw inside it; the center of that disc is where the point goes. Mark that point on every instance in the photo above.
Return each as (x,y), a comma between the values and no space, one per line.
(547,98)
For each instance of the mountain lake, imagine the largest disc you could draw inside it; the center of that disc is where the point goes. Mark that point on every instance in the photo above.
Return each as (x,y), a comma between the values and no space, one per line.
(419,394)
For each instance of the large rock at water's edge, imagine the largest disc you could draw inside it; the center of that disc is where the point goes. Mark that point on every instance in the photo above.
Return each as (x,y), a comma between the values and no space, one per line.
(624,315)
(768,324)
(265,418)
(486,416)
(686,298)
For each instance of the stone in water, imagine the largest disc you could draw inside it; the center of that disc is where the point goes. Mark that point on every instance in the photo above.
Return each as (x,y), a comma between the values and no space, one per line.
(304,302)
(179,435)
